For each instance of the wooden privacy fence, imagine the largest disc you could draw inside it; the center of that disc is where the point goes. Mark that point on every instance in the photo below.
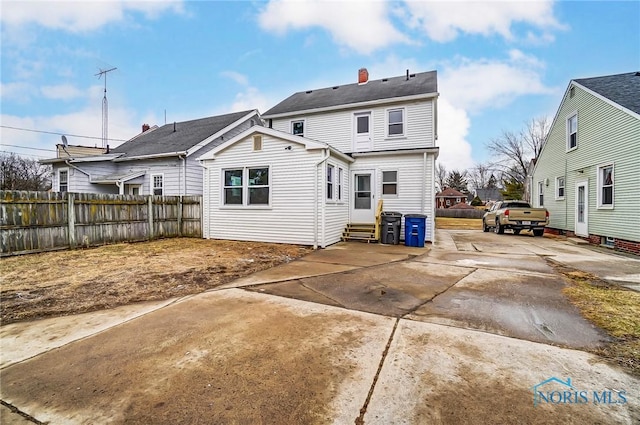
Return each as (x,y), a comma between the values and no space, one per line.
(459,213)
(43,221)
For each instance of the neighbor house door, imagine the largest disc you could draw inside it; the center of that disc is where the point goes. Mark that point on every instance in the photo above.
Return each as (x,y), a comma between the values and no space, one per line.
(362,131)
(362,197)
(582,209)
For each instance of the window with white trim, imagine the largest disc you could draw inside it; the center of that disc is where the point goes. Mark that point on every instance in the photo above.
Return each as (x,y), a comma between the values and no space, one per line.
(572,131)
(389,182)
(246,186)
(63,180)
(395,122)
(297,128)
(340,176)
(157,184)
(330,180)
(541,194)
(560,187)
(605,186)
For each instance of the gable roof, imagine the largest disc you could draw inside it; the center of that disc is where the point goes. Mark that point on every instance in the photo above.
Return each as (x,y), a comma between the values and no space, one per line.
(418,85)
(449,191)
(623,89)
(166,140)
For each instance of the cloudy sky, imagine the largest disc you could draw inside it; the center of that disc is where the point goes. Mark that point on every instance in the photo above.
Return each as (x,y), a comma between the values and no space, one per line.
(499,63)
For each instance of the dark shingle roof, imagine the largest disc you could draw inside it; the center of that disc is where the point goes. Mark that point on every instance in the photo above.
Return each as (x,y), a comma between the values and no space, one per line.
(386,88)
(449,191)
(623,89)
(187,134)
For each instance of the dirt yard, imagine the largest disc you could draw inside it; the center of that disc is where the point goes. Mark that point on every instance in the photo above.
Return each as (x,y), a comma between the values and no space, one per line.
(70,282)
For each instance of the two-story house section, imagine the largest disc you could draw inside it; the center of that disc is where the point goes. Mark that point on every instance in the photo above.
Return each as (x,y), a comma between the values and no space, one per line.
(588,173)
(158,161)
(330,155)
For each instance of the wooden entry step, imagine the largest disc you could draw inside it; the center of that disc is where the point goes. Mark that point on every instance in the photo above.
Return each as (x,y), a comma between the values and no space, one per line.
(364,232)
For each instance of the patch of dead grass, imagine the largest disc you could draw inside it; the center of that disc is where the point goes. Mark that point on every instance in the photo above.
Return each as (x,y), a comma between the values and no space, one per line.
(71,282)
(451,223)
(612,308)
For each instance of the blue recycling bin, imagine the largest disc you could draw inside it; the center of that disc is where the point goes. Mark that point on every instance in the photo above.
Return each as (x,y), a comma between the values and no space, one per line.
(414,229)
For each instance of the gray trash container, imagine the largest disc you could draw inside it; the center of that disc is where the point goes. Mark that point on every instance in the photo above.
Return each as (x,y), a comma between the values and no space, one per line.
(391,223)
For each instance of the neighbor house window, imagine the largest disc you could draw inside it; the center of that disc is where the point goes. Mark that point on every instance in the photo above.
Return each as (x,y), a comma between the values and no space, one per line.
(63,180)
(448,202)
(246,186)
(257,143)
(389,182)
(158,184)
(330,179)
(572,132)
(297,128)
(559,187)
(340,176)
(605,186)
(540,194)
(395,122)
(233,187)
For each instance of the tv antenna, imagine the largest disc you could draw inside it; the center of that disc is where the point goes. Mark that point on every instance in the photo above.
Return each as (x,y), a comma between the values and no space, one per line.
(105,106)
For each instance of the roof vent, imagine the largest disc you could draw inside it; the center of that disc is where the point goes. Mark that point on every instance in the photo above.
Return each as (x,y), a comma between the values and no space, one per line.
(637,74)
(335,87)
(308,91)
(384,80)
(412,75)
(363,76)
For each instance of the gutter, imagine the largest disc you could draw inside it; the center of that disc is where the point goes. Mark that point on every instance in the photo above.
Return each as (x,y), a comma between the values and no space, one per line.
(155,155)
(327,154)
(77,168)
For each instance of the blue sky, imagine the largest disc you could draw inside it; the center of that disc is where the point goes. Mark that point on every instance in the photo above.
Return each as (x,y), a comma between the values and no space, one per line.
(499,63)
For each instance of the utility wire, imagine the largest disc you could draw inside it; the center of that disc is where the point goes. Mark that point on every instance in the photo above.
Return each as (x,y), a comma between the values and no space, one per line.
(59,134)
(24,154)
(27,147)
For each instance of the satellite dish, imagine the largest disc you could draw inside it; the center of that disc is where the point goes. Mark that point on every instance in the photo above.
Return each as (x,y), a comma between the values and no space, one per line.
(64,140)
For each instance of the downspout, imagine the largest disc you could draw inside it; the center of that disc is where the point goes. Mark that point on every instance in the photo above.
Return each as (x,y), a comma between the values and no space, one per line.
(183,189)
(325,156)
(66,161)
(424,184)
(120,185)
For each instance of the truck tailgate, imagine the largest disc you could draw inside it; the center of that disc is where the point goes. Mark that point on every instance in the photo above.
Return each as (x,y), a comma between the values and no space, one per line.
(536,214)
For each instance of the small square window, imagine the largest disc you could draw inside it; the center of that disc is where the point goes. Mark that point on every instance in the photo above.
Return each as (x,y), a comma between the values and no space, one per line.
(297,128)
(389,182)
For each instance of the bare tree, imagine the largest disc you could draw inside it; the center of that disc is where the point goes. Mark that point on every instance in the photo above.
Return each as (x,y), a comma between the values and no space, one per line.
(20,173)
(514,151)
(441,176)
(479,175)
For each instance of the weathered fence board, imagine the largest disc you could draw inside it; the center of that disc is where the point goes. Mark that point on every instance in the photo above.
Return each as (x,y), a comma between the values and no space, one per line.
(44,221)
(459,213)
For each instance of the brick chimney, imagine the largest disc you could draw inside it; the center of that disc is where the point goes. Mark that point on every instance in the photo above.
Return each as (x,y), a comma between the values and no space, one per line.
(363,76)
(145,127)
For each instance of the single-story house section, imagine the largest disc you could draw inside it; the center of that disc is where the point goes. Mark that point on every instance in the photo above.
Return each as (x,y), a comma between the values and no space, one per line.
(270,186)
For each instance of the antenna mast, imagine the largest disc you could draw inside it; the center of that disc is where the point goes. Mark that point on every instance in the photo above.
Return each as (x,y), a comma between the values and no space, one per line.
(105,107)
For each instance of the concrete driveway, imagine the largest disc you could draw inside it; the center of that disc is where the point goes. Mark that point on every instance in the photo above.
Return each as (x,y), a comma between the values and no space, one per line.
(354,333)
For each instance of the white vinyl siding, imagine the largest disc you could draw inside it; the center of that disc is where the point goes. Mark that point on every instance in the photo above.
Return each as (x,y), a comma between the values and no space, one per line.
(336,128)
(607,135)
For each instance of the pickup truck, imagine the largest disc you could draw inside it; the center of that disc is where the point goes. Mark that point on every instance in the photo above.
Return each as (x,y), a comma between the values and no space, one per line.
(516,215)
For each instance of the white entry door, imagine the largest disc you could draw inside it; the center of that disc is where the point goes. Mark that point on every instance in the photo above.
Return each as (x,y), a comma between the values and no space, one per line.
(362,131)
(582,209)
(363,197)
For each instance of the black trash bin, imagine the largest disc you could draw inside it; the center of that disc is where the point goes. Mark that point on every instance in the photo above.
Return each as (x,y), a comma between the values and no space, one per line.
(391,223)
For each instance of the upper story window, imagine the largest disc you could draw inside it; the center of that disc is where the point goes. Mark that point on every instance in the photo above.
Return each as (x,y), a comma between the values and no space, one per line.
(389,182)
(330,180)
(395,122)
(297,128)
(560,187)
(63,180)
(158,184)
(605,186)
(572,131)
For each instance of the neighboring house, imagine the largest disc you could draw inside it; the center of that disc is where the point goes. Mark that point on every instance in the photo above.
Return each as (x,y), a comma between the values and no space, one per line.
(158,161)
(588,173)
(324,160)
(449,197)
(489,195)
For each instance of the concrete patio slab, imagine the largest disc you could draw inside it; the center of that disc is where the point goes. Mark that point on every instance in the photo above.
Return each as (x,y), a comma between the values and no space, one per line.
(440,375)
(219,357)
(512,304)
(518,262)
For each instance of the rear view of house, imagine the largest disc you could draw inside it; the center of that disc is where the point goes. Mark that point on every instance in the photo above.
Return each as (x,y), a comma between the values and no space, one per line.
(324,159)
(588,173)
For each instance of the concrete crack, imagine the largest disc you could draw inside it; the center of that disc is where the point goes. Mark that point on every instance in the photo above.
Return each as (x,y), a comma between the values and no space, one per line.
(360,419)
(21,413)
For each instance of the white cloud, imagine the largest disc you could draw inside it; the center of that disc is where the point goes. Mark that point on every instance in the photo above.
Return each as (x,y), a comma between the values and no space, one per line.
(485,83)
(361,26)
(444,21)
(74,16)
(453,129)
(19,92)
(61,92)
(236,76)
(250,98)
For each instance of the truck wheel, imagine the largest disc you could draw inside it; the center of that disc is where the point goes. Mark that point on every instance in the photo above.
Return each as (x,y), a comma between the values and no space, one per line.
(485,228)
(516,231)
(499,229)
(538,232)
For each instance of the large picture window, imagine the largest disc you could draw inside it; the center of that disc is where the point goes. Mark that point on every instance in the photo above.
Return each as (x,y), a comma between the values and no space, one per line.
(605,186)
(246,186)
